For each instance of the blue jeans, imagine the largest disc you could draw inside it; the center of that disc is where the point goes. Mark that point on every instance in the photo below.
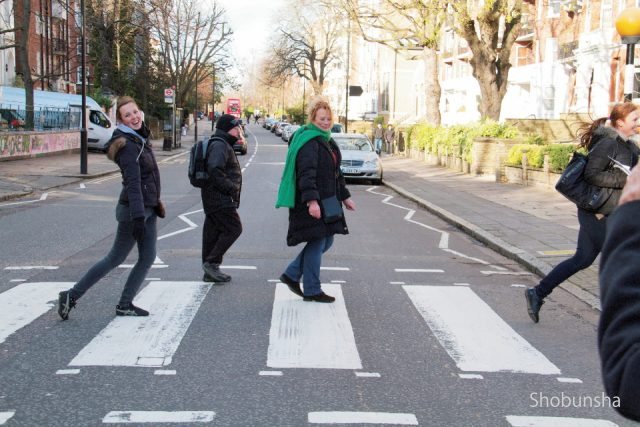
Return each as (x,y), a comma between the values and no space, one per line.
(590,240)
(122,245)
(378,142)
(307,265)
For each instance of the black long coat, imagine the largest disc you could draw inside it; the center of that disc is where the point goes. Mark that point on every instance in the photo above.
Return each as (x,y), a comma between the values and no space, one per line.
(223,188)
(318,176)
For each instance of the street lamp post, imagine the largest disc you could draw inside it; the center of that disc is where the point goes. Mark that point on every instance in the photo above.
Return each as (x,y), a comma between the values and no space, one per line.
(195,135)
(84,148)
(628,26)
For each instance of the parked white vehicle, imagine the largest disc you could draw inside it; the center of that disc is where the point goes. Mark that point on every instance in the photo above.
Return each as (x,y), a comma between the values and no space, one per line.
(57,110)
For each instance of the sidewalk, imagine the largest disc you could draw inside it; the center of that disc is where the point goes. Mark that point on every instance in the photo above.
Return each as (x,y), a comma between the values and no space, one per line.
(22,177)
(537,227)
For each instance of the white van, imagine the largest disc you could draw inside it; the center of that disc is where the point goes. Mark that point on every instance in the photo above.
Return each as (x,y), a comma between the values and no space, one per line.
(62,111)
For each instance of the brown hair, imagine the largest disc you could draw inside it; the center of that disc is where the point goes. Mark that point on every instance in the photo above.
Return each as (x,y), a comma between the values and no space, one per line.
(123,100)
(318,103)
(618,112)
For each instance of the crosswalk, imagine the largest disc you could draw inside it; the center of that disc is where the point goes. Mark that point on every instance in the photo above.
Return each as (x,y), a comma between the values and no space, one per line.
(301,335)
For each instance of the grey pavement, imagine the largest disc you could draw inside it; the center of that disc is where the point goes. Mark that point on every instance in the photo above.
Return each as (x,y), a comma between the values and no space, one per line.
(534,226)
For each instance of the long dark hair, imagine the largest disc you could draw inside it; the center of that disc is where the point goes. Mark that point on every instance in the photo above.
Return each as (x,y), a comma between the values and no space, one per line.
(618,112)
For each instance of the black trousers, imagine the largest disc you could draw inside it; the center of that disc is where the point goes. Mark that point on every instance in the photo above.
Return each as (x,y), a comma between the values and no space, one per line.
(221,229)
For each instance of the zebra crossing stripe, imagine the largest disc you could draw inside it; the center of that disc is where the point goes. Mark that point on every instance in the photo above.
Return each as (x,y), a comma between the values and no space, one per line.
(156,417)
(309,334)
(338,417)
(6,416)
(147,341)
(24,303)
(522,421)
(473,334)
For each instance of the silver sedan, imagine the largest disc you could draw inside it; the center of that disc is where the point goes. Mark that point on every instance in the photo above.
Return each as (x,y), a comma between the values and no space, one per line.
(360,162)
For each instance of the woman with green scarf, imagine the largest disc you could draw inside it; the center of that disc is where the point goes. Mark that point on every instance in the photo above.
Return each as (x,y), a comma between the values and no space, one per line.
(312,174)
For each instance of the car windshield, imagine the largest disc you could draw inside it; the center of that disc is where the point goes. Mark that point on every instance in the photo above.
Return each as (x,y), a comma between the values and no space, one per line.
(355,144)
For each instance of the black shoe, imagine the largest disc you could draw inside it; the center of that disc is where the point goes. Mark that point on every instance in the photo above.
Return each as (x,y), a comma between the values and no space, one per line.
(214,273)
(65,304)
(534,302)
(291,284)
(321,297)
(130,310)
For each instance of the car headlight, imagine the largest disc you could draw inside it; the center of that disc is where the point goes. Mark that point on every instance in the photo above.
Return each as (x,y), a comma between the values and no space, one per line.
(371,163)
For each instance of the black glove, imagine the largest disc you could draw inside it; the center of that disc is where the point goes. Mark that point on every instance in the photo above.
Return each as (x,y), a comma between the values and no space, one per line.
(138,228)
(160,211)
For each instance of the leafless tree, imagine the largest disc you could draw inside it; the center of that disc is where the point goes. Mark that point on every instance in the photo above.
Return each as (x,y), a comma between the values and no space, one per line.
(178,26)
(406,25)
(306,45)
(490,31)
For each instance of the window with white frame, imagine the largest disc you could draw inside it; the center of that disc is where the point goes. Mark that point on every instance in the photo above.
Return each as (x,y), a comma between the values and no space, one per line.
(554,9)
(606,14)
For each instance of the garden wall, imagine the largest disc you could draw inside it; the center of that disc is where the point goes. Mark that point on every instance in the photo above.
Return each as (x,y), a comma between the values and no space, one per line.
(17,145)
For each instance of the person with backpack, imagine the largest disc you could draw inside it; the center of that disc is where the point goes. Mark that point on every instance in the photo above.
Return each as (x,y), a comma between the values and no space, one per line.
(221,198)
(605,139)
(137,211)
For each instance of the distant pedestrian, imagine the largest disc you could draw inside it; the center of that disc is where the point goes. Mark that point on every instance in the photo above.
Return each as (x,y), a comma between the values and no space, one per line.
(221,198)
(378,135)
(389,137)
(605,138)
(312,174)
(138,207)
(619,328)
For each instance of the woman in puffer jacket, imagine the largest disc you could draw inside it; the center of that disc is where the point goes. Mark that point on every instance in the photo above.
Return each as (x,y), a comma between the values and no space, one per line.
(605,139)
(138,207)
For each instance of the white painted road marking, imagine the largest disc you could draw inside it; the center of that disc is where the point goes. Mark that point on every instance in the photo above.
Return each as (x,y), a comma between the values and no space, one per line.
(473,334)
(147,341)
(124,417)
(307,334)
(419,270)
(67,371)
(362,418)
(6,416)
(24,303)
(519,421)
(32,267)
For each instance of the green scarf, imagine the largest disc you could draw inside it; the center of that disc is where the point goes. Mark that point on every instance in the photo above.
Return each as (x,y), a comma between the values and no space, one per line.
(287,190)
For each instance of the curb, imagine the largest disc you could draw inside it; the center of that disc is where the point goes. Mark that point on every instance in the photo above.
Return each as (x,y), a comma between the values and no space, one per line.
(521,256)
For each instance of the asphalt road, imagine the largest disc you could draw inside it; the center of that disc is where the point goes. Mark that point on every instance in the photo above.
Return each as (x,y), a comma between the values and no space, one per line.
(429,326)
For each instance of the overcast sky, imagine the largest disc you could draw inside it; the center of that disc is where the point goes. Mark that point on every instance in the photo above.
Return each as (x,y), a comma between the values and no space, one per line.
(253,23)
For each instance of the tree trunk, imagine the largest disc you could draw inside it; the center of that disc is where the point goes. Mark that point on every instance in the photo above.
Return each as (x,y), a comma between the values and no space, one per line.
(492,80)
(432,86)
(23,55)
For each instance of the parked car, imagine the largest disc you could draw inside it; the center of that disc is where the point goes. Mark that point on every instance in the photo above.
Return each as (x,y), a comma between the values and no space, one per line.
(241,144)
(278,128)
(290,130)
(285,132)
(337,128)
(360,162)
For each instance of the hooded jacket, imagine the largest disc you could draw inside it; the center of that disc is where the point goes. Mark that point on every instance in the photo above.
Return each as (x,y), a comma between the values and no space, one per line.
(606,142)
(138,167)
(222,191)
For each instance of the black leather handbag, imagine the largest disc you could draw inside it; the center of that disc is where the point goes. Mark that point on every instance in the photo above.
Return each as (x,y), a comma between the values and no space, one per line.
(331,209)
(573,186)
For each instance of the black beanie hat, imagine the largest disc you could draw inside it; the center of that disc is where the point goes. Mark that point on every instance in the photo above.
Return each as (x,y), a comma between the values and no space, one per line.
(226,122)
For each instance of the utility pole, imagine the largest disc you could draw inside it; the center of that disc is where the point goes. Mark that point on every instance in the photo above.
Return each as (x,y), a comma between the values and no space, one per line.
(346,93)
(304,88)
(84,148)
(195,135)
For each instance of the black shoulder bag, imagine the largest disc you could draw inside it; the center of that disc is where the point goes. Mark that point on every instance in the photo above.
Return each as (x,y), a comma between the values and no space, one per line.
(331,207)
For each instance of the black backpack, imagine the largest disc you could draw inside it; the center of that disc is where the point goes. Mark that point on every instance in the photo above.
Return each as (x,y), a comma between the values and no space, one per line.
(198,175)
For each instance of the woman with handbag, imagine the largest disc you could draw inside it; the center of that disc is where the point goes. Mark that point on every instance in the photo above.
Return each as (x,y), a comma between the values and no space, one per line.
(138,207)
(313,189)
(605,139)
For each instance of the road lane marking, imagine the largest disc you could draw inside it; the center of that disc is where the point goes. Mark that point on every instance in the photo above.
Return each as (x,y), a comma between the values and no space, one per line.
(335,268)
(24,202)
(471,376)
(523,421)
(147,341)
(342,417)
(507,273)
(309,334)
(475,337)
(270,373)
(190,225)
(367,375)
(32,267)
(569,380)
(6,416)
(239,267)
(24,303)
(128,417)
(418,270)
(67,371)
(164,372)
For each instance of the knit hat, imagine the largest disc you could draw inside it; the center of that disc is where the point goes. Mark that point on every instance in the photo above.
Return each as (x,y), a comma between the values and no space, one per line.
(226,122)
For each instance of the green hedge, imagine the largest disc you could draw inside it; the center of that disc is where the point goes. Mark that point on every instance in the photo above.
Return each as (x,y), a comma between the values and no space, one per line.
(559,155)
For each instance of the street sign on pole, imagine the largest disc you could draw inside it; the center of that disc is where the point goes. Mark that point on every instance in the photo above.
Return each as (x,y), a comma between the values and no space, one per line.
(168,96)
